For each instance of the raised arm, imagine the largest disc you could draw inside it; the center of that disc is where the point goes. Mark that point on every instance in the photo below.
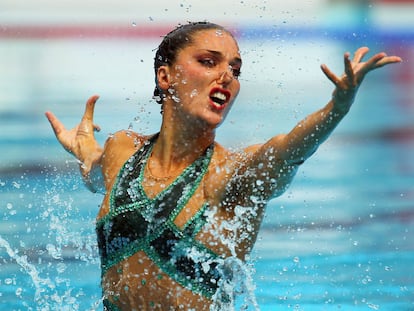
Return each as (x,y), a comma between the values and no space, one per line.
(305,138)
(80,141)
(274,163)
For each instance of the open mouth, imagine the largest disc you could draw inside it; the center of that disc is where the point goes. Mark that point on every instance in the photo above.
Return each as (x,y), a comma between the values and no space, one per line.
(219,97)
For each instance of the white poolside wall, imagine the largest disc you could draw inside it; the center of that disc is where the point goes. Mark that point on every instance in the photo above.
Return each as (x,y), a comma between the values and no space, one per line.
(160,11)
(397,13)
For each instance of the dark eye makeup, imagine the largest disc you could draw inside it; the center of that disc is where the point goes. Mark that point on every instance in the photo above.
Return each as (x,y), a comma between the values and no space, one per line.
(210,61)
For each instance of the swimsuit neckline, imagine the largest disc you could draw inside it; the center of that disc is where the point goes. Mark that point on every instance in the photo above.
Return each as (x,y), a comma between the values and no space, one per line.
(136,223)
(205,156)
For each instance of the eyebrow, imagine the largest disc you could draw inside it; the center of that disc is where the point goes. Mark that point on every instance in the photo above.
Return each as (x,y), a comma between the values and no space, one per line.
(235,61)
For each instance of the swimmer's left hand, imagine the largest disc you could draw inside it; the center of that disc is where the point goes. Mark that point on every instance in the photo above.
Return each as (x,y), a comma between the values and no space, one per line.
(355,71)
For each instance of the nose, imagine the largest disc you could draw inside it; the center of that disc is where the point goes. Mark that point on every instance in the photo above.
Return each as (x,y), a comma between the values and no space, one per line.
(226,76)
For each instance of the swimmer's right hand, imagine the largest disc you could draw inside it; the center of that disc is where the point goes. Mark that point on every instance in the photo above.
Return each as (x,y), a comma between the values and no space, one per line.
(80,140)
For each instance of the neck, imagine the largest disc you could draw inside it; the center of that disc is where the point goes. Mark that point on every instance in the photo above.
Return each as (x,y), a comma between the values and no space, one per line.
(178,146)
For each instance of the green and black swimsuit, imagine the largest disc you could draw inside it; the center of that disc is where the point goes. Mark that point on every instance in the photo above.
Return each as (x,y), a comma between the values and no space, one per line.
(138,223)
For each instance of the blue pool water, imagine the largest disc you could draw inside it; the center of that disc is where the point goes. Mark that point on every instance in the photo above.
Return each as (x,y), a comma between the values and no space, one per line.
(340,238)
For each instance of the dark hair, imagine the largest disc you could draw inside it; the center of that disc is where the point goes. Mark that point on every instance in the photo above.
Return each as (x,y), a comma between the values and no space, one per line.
(175,41)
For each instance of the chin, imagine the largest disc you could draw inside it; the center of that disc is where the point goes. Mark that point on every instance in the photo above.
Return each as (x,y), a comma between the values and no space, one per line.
(211,123)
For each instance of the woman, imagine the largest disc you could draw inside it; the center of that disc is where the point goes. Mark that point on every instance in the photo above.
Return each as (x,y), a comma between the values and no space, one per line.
(177,204)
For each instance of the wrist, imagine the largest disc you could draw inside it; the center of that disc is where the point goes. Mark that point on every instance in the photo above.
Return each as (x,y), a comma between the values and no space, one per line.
(93,179)
(91,172)
(342,101)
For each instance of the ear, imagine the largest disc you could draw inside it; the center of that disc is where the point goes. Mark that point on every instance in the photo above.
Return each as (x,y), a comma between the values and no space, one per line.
(163,77)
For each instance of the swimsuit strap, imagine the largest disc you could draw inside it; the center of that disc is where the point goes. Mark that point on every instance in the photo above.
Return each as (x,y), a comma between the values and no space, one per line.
(109,306)
(138,223)
(130,171)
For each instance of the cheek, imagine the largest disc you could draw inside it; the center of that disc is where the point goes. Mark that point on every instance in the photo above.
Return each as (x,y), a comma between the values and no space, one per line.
(235,88)
(190,78)
(195,82)
(198,75)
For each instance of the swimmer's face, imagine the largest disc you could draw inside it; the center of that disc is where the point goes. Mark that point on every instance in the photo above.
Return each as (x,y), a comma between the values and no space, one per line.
(203,81)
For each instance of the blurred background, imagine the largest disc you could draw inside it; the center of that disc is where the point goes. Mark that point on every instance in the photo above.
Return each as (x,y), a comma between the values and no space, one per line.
(342,234)
(55,54)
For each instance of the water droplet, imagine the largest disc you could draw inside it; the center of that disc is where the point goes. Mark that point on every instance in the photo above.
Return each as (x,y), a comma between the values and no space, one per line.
(19,291)
(157,98)
(61,267)
(194,93)
(175,99)
(259,182)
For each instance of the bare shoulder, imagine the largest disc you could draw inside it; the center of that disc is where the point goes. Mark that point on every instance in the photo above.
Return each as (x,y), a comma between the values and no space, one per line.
(124,138)
(225,160)
(235,159)
(266,152)
(223,167)
(119,147)
(227,164)
(223,157)
(250,150)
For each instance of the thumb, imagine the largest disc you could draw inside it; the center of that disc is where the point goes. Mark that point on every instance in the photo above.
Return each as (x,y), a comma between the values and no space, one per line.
(90,107)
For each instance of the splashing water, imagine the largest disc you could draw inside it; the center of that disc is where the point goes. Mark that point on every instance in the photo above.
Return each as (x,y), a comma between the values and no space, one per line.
(47,280)
(66,239)
(47,296)
(38,282)
(237,287)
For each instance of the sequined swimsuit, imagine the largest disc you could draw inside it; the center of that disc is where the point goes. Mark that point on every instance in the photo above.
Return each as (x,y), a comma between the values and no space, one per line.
(137,223)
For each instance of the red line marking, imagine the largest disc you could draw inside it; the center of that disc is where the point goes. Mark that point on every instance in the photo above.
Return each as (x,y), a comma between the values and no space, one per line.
(82,32)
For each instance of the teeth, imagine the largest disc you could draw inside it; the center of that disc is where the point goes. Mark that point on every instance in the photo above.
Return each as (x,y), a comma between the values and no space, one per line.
(219,95)
(218,98)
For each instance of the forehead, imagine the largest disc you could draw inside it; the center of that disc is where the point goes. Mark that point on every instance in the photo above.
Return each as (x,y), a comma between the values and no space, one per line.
(215,39)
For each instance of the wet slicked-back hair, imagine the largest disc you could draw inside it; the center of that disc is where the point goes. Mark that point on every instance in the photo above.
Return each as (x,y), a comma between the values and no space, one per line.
(175,41)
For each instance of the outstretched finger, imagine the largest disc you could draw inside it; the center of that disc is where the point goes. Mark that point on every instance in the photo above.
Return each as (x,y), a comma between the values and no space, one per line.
(387,60)
(330,75)
(57,126)
(373,63)
(360,53)
(90,106)
(349,72)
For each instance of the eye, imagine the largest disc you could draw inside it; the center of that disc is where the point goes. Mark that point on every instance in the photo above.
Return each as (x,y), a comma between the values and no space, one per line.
(208,62)
(236,72)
